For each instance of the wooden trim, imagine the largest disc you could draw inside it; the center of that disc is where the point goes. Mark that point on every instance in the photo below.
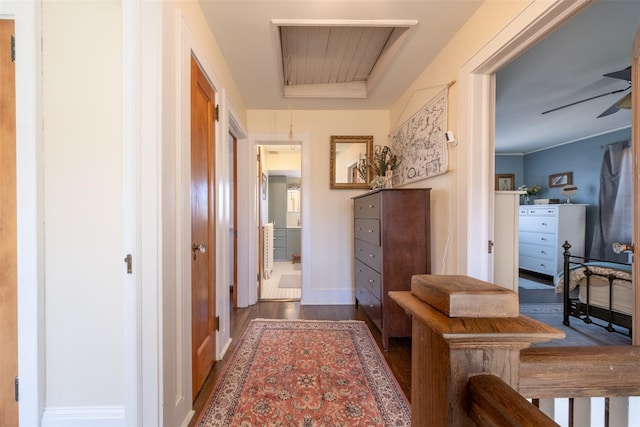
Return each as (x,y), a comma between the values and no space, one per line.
(495,403)
(579,371)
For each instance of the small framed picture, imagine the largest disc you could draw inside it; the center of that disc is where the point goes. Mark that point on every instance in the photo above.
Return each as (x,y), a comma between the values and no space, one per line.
(560,179)
(505,182)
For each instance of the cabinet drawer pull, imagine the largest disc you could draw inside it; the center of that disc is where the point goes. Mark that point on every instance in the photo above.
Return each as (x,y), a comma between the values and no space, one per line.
(371,206)
(544,224)
(370,231)
(371,280)
(372,256)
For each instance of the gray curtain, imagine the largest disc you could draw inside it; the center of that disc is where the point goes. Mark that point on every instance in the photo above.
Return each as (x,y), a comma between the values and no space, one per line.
(615,209)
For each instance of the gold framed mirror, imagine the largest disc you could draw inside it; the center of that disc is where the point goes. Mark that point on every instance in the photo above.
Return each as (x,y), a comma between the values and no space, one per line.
(349,157)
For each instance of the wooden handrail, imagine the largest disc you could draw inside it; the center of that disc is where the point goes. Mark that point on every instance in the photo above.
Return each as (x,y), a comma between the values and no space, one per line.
(495,404)
(579,371)
(463,329)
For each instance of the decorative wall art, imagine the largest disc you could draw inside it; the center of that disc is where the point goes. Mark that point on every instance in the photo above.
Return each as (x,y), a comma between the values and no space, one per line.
(420,143)
(505,182)
(560,179)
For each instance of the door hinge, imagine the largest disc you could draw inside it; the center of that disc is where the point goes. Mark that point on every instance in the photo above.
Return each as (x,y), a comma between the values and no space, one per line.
(490,246)
(217,112)
(217,323)
(16,390)
(13,48)
(129,260)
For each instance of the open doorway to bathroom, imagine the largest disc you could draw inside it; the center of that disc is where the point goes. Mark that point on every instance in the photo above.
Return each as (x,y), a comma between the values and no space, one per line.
(281,225)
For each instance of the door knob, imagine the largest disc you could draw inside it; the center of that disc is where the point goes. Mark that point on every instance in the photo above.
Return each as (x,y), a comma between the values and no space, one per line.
(199,248)
(621,247)
(195,248)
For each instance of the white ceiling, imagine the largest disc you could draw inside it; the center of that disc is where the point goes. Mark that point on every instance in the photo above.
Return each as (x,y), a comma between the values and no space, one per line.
(566,66)
(244,31)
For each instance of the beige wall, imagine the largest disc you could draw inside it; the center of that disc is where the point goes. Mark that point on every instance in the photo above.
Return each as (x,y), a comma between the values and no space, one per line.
(82,110)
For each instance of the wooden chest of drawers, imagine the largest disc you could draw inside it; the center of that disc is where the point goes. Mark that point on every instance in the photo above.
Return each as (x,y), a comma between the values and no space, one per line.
(543,229)
(392,242)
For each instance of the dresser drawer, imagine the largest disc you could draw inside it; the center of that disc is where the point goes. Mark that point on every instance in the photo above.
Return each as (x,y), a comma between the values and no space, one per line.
(368,253)
(539,210)
(368,230)
(537,251)
(544,239)
(539,265)
(538,223)
(368,278)
(367,207)
(370,305)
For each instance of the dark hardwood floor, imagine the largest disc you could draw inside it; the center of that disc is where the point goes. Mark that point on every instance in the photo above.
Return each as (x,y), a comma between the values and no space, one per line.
(398,356)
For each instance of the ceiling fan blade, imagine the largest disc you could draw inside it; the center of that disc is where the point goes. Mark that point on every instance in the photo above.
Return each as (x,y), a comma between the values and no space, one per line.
(583,100)
(613,109)
(624,102)
(622,74)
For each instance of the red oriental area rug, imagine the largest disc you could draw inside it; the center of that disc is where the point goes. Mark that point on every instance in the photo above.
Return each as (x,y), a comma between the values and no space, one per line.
(306,373)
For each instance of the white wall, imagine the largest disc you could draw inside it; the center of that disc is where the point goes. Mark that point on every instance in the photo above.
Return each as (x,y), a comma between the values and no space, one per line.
(82,104)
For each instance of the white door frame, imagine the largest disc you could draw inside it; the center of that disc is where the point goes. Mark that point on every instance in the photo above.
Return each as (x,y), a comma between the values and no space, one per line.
(248,212)
(476,118)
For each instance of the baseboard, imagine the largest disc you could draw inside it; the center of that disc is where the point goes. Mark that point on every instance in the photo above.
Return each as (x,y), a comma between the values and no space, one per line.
(327,297)
(82,416)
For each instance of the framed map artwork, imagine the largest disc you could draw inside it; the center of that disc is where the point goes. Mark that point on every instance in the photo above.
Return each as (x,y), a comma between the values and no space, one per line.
(420,143)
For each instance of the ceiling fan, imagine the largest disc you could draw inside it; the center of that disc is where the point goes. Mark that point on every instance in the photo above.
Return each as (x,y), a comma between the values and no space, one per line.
(624,102)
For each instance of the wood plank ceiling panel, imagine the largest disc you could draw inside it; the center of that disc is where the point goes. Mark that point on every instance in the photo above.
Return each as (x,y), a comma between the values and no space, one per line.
(330,54)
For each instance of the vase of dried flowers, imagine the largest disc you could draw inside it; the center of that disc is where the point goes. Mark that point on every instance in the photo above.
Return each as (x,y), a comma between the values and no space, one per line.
(381,168)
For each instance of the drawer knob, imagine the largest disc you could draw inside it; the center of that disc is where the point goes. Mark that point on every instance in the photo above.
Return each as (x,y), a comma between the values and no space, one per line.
(372,256)
(371,206)
(371,280)
(370,231)
(544,223)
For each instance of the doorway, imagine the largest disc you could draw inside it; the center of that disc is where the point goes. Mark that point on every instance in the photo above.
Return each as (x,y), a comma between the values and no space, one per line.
(280,247)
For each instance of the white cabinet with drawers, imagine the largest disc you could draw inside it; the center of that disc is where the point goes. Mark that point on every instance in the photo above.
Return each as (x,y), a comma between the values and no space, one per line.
(542,231)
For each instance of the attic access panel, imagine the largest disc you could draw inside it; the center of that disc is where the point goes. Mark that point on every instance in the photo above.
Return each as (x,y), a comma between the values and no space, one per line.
(330,59)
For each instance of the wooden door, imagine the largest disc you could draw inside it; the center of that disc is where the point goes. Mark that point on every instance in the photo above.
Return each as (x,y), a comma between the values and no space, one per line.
(202,227)
(635,137)
(8,231)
